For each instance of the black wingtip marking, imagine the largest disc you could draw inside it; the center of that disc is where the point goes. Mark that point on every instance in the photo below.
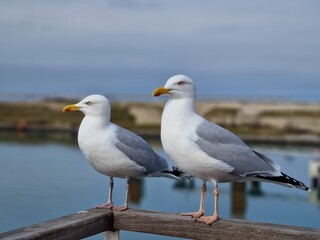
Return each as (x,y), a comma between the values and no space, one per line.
(286,180)
(177,172)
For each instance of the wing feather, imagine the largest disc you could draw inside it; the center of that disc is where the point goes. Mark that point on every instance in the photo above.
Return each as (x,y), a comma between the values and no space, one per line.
(139,151)
(223,145)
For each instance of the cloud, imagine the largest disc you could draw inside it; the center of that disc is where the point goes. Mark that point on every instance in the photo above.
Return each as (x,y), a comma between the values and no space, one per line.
(239,36)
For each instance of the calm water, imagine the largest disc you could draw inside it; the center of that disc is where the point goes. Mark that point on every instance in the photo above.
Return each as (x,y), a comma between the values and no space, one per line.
(41,179)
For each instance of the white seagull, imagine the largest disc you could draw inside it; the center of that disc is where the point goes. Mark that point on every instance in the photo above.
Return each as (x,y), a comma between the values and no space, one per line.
(207,151)
(115,151)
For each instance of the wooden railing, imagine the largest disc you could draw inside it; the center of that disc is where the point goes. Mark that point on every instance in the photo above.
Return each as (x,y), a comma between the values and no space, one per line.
(94,221)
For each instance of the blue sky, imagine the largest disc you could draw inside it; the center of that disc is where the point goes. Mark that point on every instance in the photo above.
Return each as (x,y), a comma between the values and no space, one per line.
(118,46)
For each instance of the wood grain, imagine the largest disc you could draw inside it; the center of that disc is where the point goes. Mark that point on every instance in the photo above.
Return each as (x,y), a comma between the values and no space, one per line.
(173,225)
(74,226)
(94,221)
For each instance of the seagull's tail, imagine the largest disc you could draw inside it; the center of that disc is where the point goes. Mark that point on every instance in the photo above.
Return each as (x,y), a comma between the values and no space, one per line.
(175,173)
(286,180)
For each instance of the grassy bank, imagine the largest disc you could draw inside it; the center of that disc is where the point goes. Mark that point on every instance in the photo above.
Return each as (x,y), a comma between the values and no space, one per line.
(244,119)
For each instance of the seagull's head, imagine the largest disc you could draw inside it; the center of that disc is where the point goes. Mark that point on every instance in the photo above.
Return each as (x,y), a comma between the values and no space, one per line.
(93,105)
(178,86)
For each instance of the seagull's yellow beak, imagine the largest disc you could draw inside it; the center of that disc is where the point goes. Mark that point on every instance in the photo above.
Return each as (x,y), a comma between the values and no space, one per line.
(161,90)
(71,108)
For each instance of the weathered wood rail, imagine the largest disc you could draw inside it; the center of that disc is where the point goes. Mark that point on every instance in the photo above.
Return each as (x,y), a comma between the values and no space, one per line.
(94,221)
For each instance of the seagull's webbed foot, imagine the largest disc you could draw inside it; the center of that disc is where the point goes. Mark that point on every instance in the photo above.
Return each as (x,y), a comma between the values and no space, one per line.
(192,214)
(208,219)
(201,208)
(120,208)
(105,206)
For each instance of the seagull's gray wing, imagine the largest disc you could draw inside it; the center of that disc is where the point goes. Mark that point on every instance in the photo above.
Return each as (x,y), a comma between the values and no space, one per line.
(223,145)
(139,151)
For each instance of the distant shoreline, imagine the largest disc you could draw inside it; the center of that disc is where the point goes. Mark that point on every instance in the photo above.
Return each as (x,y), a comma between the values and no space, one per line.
(254,121)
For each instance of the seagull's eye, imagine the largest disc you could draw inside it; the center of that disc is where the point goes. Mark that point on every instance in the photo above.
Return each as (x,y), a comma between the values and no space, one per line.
(88,103)
(180,83)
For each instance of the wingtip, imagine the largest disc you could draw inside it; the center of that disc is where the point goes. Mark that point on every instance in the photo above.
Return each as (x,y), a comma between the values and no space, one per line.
(177,173)
(286,180)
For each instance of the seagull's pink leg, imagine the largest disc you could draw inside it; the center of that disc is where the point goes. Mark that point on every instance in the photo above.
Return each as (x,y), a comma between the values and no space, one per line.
(201,209)
(215,217)
(125,205)
(108,205)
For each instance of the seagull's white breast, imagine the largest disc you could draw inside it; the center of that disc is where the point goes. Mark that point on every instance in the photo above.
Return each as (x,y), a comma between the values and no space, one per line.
(178,136)
(98,145)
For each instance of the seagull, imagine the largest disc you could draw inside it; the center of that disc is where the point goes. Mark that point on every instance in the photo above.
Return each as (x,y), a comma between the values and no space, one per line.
(115,151)
(205,150)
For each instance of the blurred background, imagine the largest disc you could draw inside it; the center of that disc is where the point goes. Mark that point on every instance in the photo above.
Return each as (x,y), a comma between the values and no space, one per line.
(256,66)
(230,48)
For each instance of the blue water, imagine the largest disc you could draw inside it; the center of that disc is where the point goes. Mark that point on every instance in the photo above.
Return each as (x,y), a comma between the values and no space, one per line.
(44,179)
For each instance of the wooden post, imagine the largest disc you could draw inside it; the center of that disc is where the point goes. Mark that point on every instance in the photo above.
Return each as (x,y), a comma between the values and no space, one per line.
(314,172)
(238,199)
(112,235)
(256,189)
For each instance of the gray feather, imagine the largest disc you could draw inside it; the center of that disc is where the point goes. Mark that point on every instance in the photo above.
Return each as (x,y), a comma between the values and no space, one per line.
(268,160)
(137,150)
(223,145)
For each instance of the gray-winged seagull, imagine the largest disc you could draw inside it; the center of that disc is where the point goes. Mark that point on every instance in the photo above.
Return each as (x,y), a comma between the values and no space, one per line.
(207,151)
(115,151)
